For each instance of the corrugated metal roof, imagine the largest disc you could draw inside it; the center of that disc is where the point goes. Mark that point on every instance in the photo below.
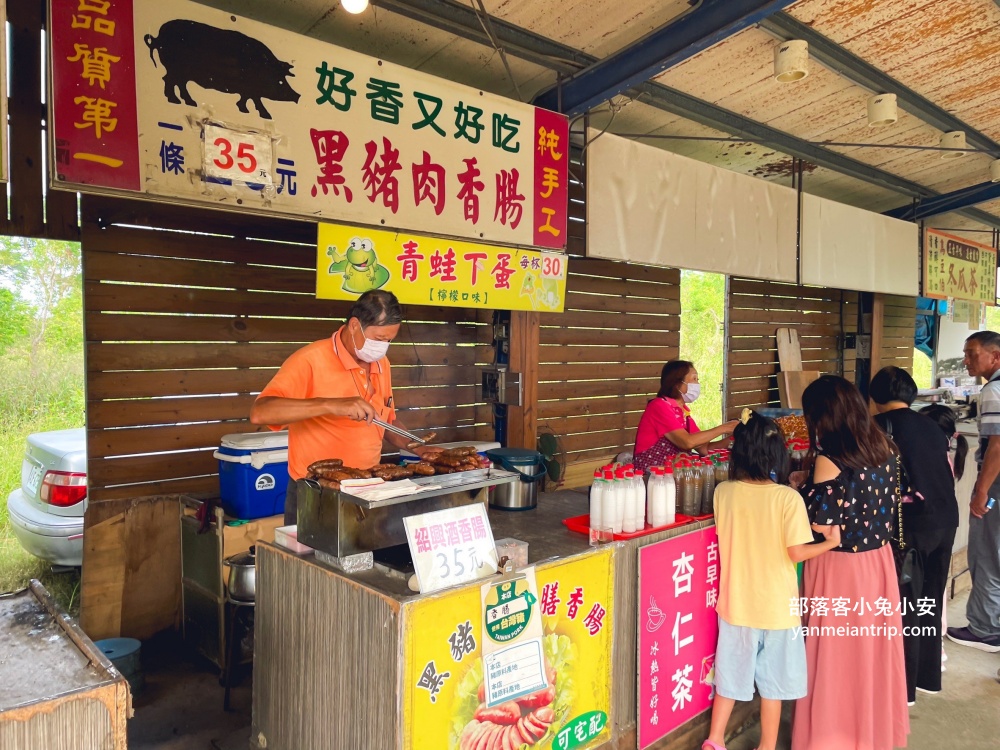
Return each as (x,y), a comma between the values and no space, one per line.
(945,50)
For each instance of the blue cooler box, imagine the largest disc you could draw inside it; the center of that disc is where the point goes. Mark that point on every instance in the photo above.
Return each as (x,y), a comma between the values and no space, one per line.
(253,473)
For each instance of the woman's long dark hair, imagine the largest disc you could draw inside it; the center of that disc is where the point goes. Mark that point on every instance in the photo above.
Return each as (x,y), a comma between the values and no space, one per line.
(672,376)
(758,450)
(945,419)
(838,420)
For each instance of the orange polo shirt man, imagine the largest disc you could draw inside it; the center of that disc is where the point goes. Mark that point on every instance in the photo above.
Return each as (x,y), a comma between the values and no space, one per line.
(328,392)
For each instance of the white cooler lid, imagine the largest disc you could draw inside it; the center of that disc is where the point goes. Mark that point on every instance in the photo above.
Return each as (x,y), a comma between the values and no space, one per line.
(255,441)
(481,447)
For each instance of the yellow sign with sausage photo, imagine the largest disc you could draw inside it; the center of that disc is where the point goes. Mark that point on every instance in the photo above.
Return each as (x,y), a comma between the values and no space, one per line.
(559,699)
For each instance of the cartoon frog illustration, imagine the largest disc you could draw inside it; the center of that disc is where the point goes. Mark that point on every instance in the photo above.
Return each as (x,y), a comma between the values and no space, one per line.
(359,265)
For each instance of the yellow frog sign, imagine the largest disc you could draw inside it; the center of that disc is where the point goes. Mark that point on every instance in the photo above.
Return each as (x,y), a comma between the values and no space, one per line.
(359,265)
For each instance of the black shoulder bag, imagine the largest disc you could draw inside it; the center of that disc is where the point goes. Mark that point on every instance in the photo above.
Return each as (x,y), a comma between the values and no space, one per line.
(905,556)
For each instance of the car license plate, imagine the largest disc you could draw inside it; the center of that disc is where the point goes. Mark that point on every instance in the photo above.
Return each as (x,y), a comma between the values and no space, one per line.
(34,480)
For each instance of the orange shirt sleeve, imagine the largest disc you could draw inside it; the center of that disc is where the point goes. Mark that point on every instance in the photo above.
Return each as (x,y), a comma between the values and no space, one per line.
(292,380)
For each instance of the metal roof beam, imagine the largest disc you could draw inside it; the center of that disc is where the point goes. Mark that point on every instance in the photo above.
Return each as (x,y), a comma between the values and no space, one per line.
(942,204)
(708,23)
(866,75)
(462,21)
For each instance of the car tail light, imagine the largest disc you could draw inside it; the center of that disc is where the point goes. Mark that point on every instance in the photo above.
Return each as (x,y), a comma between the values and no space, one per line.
(63,488)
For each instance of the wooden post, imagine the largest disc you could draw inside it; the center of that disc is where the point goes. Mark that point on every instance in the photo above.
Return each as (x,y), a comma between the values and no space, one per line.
(522,421)
(878,337)
(878,333)
(24,105)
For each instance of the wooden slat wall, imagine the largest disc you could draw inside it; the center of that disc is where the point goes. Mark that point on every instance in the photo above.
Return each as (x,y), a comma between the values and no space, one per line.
(898,326)
(600,361)
(183,330)
(755,310)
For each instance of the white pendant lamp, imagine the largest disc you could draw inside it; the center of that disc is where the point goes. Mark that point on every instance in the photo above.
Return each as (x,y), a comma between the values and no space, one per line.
(354,6)
(882,110)
(953,139)
(995,170)
(791,61)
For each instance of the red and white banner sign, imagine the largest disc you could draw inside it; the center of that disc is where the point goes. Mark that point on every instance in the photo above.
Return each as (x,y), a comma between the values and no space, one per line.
(184,103)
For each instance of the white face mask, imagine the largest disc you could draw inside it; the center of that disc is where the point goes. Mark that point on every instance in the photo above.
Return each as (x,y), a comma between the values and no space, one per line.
(692,393)
(371,350)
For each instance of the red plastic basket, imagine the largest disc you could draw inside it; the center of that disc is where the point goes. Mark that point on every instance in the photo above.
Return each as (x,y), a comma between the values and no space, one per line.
(581,525)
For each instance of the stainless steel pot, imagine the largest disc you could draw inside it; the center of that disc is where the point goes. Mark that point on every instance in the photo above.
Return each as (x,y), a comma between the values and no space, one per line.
(243,575)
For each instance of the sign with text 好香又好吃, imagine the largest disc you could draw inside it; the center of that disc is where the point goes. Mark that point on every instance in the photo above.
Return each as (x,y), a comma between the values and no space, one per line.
(179,102)
(958,268)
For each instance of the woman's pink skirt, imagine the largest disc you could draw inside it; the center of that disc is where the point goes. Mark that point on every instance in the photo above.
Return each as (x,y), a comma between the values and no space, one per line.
(857,677)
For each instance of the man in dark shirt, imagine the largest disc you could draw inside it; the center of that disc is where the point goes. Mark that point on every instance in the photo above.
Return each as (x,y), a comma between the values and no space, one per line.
(929,522)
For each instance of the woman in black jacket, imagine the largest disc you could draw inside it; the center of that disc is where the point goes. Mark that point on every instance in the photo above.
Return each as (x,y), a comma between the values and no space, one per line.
(929,522)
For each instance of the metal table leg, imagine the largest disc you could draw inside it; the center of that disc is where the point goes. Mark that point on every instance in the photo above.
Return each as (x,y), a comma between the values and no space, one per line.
(233,608)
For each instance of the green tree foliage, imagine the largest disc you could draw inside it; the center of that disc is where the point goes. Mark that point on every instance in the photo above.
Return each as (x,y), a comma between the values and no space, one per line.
(41,375)
(702,319)
(45,274)
(15,319)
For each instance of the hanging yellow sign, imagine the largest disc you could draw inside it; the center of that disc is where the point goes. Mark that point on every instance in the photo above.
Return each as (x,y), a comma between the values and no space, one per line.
(422,270)
(959,268)
(451,703)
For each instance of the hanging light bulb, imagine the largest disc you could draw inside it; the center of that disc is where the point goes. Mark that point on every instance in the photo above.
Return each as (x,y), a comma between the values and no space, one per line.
(791,60)
(354,6)
(882,110)
(953,139)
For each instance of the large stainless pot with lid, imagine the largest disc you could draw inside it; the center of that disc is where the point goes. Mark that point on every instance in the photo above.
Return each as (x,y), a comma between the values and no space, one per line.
(523,494)
(243,575)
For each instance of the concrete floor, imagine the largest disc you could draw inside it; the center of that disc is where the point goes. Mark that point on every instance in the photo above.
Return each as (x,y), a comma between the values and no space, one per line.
(181,705)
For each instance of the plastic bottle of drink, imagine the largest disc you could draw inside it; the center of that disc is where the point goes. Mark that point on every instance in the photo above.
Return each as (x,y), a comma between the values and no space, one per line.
(597,490)
(628,519)
(696,486)
(669,502)
(654,479)
(652,488)
(640,502)
(708,494)
(621,499)
(721,474)
(609,500)
(658,497)
(680,475)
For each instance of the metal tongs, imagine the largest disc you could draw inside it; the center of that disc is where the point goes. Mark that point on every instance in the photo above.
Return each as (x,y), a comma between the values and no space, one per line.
(402,433)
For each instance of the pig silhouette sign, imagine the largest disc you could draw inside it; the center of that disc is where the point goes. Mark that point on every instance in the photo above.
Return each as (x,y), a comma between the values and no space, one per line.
(221,60)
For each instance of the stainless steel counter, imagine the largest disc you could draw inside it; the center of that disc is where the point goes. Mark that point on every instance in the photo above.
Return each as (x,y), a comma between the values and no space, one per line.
(541,528)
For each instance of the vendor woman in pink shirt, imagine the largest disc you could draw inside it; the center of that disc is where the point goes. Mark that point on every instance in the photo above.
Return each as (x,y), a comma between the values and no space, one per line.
(666,427)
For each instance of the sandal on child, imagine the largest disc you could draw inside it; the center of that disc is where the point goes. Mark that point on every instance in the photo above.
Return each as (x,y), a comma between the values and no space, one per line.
(709,745)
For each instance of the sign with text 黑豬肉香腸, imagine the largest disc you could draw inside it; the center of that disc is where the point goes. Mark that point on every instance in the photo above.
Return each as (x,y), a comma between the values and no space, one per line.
(180,102)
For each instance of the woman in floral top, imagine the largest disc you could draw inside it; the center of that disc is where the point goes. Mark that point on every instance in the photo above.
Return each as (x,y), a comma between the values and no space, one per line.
(666,427)
(851,608)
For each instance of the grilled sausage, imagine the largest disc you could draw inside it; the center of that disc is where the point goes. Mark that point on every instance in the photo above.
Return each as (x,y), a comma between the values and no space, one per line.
(326,463)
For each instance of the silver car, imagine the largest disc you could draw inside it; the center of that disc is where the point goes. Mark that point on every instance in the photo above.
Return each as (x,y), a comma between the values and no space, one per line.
(46,511)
